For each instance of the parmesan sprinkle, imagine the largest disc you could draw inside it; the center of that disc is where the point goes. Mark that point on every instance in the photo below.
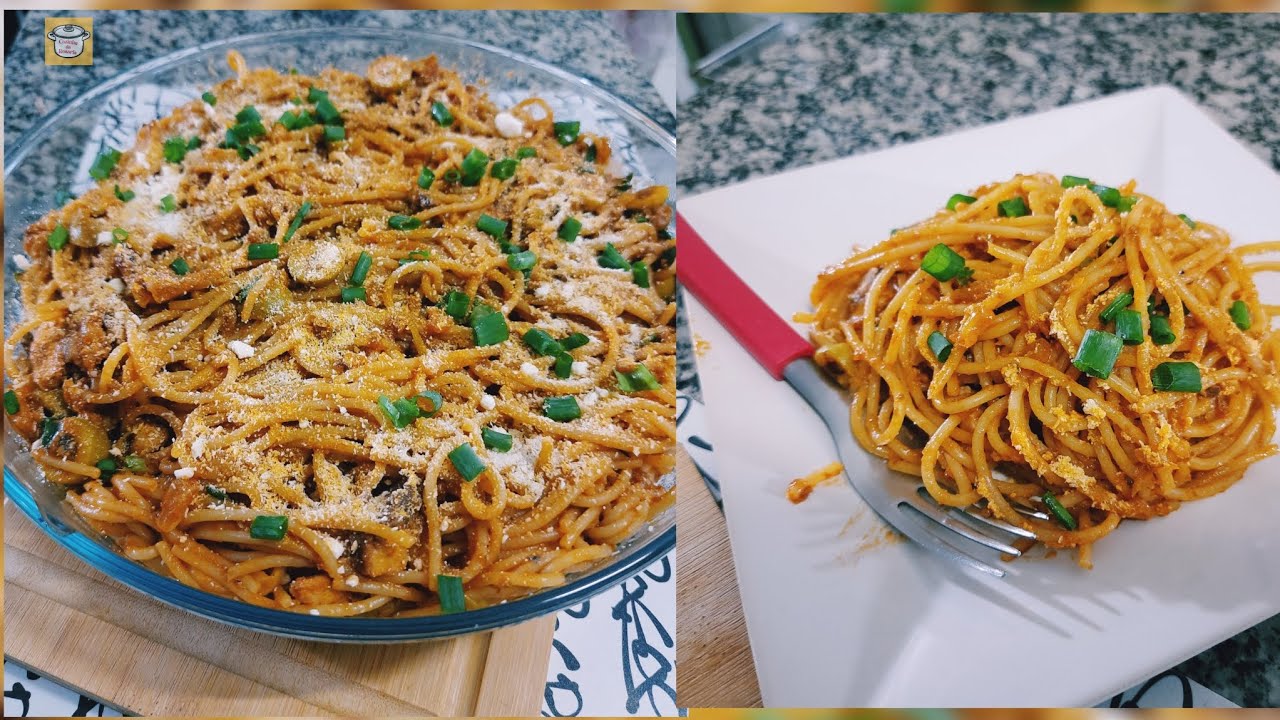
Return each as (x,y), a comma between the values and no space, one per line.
(529,369)
(21,263)
(242,349)
(488,402)
(184,473)
(509,126)
(104,238)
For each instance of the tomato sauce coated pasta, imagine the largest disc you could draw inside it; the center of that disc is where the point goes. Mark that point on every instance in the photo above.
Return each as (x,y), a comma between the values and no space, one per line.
(355,345)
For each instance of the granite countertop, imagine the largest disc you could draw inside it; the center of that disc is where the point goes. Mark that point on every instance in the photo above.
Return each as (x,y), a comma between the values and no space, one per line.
(583,43)
(856,83)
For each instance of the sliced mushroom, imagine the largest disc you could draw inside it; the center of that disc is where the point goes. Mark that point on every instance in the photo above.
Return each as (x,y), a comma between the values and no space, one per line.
(315,263)
(389,75)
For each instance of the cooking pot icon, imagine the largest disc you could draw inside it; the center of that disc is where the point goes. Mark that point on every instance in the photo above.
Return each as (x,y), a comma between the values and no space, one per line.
(68,40)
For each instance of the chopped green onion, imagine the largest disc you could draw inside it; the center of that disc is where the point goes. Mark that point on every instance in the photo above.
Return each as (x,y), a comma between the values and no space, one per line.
(296,222)
(406,412)
(180,266)
(416,256)
(214,492)
(574,341)
(210,98)
(403,222)
(563,366)
(1176,377)
(473,166)
(488,327)
(361,271)
(263,251)
(125,195)
(561,409)
(1129,327)
(940,346)
(11,405)
(315,95)
(104,164)
(296,120)
(1013,207)
(175,149)
(960,198)
(492,226)
(457,305)
(637,380)
(106,468)
(269,527)
(352,294)
(426,176)
(504,169)
(334,133)
(526,152)
(567,131)
(1108,195)
(541,342)
(495,440)
(452,175)
(49,429)
(452,599)
(569,229)
(1059,510)
(943,263)
(1126,203)
(248,114)
(62,197)
(440,113)
(1098,353)
(590,154)
(435,398)
(1113,308)
(135,463)
(328,114)
(1190,223)
(625,184)
(1240,315)
(1161,333)
(466,462)
(640,274)
(58,238)
(390,410)
(611,258)
(524,260)
(1069,181)
(168,204)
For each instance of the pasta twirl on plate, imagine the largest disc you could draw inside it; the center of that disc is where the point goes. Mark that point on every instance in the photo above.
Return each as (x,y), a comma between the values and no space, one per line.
(354,345)
(1062,353)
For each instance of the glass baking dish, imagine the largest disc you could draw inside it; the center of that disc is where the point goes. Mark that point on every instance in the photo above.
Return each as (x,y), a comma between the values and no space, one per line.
(52,156)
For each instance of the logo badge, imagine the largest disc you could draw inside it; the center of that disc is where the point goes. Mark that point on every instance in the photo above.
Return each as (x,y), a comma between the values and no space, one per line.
(68,41)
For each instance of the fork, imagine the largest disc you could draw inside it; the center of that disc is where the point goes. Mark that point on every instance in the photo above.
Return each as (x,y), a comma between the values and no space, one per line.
(957,534)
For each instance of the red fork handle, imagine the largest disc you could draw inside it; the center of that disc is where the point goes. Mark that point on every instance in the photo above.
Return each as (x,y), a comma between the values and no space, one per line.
(769,338)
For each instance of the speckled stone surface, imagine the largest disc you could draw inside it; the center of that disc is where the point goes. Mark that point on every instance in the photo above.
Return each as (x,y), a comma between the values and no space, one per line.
(583,43)
(855,83)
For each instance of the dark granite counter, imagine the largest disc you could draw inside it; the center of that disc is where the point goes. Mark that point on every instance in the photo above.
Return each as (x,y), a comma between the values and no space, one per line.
(856,83)
(583,43)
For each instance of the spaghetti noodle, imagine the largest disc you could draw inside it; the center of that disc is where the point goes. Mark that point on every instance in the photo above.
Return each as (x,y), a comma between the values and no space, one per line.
(1063,354)
(354,346)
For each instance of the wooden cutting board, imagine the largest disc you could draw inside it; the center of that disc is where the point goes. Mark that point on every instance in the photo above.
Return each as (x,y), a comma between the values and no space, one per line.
(716,666)
(67,620)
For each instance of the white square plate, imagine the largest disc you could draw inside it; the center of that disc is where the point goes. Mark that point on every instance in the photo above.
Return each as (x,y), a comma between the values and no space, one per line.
(840,616)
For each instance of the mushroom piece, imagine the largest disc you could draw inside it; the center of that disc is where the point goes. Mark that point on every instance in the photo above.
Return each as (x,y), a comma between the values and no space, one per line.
(389,75)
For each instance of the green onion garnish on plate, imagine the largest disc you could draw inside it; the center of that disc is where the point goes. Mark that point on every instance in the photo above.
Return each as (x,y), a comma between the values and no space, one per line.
(1059,511)
(561,409)
(352,294)
(495,440)
(1129,327)
(492,226)
(940,346)
(403,222)
(636,380)
(452,598)
(180,266)
(440,113)
(1161,333)
(361,271)
(263,251)
(296,222)
(958,198)
(1240,315)
(943,263)
(1098,353)
(269,527)
(1013,207)
(1070,181)
(567,131)
(1176,377)
(1113,308)
(11,405)
(466,462)
(569,229)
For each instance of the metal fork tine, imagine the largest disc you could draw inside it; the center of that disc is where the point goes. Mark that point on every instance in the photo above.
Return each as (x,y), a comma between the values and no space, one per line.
(1030,513)
(925,534)
(942,517)
(998,523)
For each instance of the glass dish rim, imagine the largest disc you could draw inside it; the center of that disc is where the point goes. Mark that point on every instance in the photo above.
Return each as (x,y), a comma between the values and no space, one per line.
(281,622)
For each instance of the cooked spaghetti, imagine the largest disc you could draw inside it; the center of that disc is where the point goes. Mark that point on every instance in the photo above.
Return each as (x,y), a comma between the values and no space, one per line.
(354,346)
(1063,354)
